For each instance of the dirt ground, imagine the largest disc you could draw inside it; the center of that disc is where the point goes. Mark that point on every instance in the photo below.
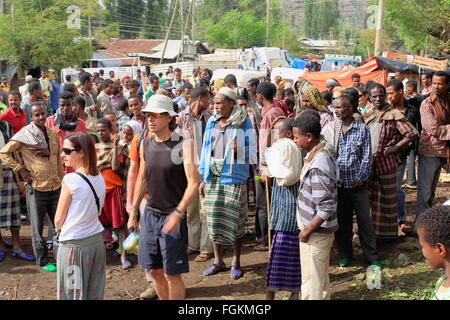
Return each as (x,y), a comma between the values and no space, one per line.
(405,274)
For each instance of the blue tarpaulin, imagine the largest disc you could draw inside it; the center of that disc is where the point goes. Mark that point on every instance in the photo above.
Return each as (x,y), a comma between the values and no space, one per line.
(297,63)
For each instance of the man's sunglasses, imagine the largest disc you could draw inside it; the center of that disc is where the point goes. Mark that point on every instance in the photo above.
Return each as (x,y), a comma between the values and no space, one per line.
(68,151)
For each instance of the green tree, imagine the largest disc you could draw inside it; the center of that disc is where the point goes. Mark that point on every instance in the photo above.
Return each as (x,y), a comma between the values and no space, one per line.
(321,18)
(421,25)
(236,29)
(130,16)
(156,18)
(39,35)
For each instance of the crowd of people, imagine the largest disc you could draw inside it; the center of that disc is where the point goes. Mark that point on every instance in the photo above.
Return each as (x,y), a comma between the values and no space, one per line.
(175,160)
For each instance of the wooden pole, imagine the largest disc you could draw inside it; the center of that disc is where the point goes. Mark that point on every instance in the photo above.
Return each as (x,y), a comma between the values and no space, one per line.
(168,31)
(268,214)
(193,21)
(377,51)
(267,22)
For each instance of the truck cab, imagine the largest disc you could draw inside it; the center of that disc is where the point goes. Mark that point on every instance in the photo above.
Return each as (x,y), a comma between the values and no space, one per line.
(338,62)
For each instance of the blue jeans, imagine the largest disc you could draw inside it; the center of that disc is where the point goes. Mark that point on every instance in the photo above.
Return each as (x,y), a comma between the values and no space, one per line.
(429,171)
(401,214)
(411,169)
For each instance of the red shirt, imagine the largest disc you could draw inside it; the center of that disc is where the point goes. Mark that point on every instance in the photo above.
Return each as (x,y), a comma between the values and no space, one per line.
(81,126)
(50,123)
(282,105)
(16,121)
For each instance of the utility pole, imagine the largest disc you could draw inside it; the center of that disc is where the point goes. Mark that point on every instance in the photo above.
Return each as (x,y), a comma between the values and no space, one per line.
(168,31)
(90,32)
(193,21)
(267,22)
(182,30)
(13,14)
(377,51)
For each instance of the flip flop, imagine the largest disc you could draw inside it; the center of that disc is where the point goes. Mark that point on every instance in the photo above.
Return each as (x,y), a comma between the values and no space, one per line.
(202,257)
(261,248)
(125,263)
(2,255)
(21,254)
(236,272)
(50,267)
(211,270)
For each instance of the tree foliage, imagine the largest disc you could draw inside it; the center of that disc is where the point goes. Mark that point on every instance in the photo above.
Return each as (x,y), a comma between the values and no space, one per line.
(39,36)
(422,25)
(235,29)
(321,19)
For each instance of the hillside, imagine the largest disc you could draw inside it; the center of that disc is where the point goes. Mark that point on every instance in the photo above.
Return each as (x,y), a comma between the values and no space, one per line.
(351,10)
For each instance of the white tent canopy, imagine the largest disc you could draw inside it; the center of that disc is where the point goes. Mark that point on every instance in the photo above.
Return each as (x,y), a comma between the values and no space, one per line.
(241,76)
(286,74)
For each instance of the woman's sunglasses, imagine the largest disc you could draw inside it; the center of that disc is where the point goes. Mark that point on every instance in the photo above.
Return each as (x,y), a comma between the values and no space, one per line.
(154,115)
(68,151)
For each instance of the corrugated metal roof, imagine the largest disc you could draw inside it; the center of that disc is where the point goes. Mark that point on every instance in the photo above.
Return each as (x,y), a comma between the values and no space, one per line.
(133,45)
(172,50)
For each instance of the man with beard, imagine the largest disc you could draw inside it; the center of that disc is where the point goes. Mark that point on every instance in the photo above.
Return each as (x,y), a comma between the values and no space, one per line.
(192,125)
(270,111)
(42,171)
(390,133)
(85,91)
(351,142)
(434,141)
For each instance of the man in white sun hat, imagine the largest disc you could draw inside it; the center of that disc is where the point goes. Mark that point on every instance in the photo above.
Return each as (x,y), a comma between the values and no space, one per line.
(167,161)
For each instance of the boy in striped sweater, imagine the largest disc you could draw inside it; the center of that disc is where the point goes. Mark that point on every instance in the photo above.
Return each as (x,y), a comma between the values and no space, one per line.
(316,206)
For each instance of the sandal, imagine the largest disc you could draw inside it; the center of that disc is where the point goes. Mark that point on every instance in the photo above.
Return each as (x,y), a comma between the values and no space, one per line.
(2,255)
(21,254)
(236,272)
(261,248)
(50,267)
(190,251)
(125,263)
(214,269)
(202,257)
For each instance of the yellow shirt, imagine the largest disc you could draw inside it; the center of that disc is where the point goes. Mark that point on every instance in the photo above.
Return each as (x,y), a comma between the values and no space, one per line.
(4,87)
(46,173)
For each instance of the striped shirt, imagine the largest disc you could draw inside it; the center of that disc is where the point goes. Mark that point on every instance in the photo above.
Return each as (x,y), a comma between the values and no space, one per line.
(317,194)
(283,207)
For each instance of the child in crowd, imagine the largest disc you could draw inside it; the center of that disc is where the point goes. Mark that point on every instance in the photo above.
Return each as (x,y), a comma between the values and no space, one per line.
(433,228)
(121,158)
(284,162)
(111,116)
(317,205)
(290,104)
(113,212)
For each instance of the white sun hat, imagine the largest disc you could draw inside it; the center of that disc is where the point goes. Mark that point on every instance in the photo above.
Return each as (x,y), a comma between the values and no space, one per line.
(159,103)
